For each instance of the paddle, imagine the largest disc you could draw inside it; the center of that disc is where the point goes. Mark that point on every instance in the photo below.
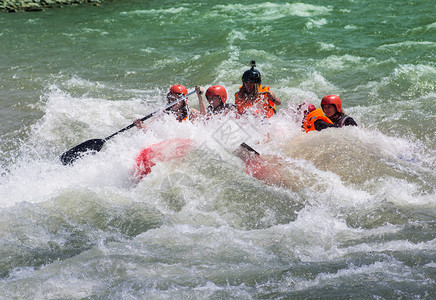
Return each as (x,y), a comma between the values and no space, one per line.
(244,145)
(95,145)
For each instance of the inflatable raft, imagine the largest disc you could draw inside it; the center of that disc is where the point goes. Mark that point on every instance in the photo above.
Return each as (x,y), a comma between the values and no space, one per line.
(160,152)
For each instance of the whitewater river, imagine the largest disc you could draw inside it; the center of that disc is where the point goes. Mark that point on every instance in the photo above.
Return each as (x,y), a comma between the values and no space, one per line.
(342,214)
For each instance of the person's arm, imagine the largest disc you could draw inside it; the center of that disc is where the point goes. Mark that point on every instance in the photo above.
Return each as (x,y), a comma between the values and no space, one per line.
(273,98)
(193,114)
(350,122)
(320,125)
(140,124)
(200,91)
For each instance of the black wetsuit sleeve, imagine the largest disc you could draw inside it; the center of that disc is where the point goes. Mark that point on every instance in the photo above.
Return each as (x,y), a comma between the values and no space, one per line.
(350,122)
(320,125)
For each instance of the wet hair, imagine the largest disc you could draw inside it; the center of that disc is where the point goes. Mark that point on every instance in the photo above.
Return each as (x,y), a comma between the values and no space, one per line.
(184,109)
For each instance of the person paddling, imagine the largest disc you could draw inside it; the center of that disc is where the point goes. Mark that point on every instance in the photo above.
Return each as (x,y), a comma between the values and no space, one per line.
(313,116)
(252,95)
(181,110)
(332,108)
(216,95)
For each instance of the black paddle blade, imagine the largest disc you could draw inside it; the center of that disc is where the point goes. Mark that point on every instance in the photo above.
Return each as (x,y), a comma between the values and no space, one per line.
(75,153)
(245,146)
(245,152)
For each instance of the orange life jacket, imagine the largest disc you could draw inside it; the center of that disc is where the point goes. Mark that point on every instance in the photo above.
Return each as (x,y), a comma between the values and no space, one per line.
(262,105)
(309,121)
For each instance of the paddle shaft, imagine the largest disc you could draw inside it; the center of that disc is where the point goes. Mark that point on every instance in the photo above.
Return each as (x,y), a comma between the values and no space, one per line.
(95,145)
(150,115)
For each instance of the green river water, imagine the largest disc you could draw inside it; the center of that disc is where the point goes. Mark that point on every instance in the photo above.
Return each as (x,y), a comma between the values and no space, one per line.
(350,215)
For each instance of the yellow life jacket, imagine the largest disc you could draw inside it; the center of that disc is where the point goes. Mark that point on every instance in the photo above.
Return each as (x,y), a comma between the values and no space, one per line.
(309,121)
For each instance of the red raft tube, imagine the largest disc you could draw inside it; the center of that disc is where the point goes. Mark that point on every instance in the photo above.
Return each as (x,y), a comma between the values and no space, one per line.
(167,150)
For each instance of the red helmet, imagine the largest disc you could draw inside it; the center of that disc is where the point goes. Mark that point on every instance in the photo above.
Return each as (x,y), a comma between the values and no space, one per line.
(332,99)
(311,107)
(178,89)
(217,90)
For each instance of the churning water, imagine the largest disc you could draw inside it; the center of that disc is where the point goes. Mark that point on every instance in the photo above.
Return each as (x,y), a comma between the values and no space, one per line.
(342,213)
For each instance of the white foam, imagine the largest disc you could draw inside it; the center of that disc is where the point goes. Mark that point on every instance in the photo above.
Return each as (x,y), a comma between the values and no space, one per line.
(69,121)
(407,44)
(316,23)
(154,12)
(273,11)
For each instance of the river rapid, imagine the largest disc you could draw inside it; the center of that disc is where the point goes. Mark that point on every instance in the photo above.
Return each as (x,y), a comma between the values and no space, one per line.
(341,214)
